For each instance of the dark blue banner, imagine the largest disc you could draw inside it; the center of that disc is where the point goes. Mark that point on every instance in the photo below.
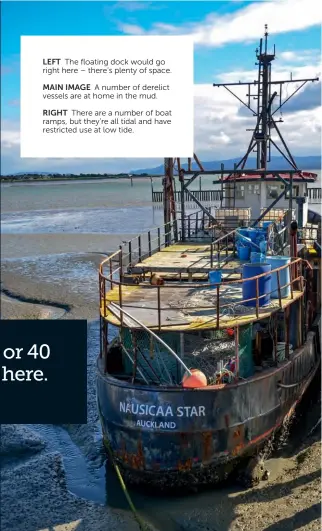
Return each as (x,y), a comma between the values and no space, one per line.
(43,372)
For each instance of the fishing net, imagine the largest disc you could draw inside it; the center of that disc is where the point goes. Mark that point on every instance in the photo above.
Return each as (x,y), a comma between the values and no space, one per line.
(245,351)
(208,351)
(154,364)
(202,302)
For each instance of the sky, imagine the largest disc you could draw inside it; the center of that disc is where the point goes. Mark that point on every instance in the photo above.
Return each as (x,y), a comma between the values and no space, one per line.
(225,34)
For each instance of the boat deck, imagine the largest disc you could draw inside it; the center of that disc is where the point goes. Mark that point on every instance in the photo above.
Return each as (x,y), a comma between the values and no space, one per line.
(189,260)
(185,305)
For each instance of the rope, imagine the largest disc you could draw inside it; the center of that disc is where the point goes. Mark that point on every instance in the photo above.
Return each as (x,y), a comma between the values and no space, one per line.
(224,373)
(141,524)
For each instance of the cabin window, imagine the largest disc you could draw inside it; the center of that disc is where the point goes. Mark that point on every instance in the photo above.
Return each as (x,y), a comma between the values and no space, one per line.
(296,192)
(254,189)
(240,191)
(272,191)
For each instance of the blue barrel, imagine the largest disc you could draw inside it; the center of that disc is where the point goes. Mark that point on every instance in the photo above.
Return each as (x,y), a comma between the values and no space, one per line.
(257,258)
(253,234)
(264,283)
(243,253)
(215,277)
(243,232)
(266,224)
(284,274)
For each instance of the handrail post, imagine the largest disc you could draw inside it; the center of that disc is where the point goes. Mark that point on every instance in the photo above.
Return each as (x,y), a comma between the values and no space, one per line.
(291,280)
(111,274)
(159,239)
(121,263)
(176,230)
(237,352)
(130,252)
(211,254)
(149,242)
(257,295)
(217,305)
(159,307)
(140,248)
(287,332)
(104,296)
(279,289)
(120,302)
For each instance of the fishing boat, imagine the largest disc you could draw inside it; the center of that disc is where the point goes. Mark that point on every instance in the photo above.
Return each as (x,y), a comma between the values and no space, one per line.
(210,324)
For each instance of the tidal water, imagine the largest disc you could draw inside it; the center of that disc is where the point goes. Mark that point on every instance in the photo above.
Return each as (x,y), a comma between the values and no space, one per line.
(68,207)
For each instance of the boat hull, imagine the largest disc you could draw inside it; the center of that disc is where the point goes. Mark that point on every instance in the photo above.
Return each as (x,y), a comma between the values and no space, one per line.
(174,436)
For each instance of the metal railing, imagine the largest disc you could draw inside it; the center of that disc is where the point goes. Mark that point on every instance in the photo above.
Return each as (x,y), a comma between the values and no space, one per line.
(196,228)
(200,195)
(314,195)
(114,279)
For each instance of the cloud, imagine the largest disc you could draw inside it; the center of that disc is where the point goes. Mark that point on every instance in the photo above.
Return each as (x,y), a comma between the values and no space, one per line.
(247,23)
(307,97)
(128,11)
(300,56)
(10,135)
(132,29)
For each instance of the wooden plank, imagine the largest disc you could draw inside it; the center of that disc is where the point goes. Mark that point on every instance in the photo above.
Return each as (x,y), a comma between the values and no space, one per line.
(182,258)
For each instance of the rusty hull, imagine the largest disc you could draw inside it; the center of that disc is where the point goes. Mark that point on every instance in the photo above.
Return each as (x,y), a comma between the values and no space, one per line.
(227,421)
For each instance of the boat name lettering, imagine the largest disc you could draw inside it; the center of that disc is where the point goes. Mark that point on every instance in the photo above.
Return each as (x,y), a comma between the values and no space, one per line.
(154,424)
(162,411)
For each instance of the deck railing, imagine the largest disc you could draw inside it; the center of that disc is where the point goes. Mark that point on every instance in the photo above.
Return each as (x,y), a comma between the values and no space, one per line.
(314,195)
(200,195)
(111,276)
(221,239)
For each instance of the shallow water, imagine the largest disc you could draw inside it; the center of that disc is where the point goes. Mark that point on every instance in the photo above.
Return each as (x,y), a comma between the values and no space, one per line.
(79,271)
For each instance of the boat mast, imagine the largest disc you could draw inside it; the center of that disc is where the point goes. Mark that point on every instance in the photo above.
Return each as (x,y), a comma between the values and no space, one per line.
(263,100)
(169,205)
(261,140)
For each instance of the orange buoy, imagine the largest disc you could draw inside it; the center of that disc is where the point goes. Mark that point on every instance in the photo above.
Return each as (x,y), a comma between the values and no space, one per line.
(197,379)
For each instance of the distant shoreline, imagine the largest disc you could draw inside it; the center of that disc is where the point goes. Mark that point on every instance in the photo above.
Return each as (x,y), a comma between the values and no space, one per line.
(58,178)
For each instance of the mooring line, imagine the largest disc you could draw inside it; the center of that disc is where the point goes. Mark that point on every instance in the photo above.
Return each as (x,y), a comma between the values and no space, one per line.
(141,524)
